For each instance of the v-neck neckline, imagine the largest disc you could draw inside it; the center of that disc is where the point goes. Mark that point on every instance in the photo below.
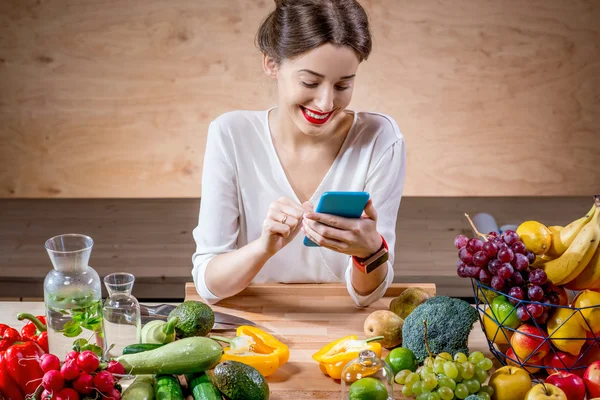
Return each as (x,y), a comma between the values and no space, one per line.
(331,167)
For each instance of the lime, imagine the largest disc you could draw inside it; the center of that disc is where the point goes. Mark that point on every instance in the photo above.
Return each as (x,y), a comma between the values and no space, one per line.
(368,389)
(505,312)
(402,358)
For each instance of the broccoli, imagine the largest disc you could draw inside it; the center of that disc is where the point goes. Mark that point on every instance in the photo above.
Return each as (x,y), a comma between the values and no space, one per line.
(449,323)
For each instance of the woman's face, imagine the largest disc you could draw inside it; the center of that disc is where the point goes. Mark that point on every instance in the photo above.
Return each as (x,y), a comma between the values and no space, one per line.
(316,87)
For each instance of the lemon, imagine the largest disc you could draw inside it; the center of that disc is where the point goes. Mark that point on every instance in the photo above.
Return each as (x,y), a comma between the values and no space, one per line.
(368,389)
(536,236)
(493,331)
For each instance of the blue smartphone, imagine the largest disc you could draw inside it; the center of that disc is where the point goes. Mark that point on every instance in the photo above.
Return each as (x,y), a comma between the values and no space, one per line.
(343,204)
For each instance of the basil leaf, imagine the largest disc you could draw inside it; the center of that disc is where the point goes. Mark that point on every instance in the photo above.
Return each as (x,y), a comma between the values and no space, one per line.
(79,344)
(72,329)
(92,347)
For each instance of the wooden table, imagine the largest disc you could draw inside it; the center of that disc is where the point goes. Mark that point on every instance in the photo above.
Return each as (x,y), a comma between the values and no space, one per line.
(304,316)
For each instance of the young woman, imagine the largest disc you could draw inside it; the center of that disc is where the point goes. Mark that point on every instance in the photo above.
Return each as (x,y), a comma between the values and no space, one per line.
(265,170)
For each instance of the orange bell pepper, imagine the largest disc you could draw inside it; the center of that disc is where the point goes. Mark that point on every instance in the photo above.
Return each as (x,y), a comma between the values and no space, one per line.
(333,357)
(257,348)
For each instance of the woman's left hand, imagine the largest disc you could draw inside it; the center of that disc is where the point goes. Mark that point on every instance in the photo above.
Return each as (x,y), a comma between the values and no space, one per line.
(353,236)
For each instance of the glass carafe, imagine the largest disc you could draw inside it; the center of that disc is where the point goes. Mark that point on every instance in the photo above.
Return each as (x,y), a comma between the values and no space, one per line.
(72,295)
(367,377)
(122,318)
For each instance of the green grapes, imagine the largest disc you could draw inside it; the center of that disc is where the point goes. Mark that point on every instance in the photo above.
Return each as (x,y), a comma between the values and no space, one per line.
(473,385)
(450,370)
(400,377)
(460,357)
(412,378)
(486,364)
(445,381)
(475,357)
(447,377)
(461,391)
(467,370)
(433,396)
(446,393)
(480,375)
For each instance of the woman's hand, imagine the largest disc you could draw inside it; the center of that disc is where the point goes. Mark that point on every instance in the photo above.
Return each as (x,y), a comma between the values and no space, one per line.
(282,224)
(353,236)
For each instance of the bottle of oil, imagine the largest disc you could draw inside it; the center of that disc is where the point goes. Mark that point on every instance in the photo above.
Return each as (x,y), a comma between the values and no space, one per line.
(72,295)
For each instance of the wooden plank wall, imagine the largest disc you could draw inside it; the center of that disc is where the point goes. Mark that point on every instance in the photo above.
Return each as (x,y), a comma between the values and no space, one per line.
(152,238)
(112,98)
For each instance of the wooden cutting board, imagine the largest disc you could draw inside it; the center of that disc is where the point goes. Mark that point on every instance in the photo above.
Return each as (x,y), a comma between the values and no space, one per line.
(306,317)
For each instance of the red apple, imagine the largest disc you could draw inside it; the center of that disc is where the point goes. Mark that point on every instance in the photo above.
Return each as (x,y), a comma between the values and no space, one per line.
(561,361)
(591,377)
(529,340)
(526,365)
(571,384)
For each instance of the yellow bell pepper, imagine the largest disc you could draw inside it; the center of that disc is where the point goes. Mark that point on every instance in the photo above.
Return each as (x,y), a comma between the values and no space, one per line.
(257,348)
(333,357)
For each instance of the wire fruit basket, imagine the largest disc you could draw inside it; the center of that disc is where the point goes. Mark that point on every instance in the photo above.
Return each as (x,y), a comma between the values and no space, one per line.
(566,342)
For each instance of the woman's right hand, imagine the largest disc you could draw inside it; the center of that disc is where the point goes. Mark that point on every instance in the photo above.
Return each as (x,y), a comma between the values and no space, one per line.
(282,224)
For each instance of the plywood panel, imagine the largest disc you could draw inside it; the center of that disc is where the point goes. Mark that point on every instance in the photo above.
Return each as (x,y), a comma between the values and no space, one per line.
(111,98)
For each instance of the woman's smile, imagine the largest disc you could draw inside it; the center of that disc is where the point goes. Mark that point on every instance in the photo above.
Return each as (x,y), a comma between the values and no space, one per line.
(315,117)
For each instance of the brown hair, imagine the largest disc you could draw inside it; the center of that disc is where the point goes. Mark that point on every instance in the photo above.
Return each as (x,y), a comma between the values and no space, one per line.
(297,26)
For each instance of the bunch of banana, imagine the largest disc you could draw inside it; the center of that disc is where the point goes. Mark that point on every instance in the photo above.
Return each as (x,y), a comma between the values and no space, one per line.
(573,259)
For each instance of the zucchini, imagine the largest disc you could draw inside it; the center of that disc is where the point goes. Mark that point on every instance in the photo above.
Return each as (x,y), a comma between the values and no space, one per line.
(141,388)
(202,388)
(140,347)
(193,354)
(167,387)
(159,331)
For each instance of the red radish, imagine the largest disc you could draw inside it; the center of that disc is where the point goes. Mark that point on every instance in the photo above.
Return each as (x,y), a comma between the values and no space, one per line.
(71,355)
(88,361)
(46,395)
(67,394)
(49,362)
(69,369)
(53,381)
(115,367)
(113,394)
(104,381)
(84,383)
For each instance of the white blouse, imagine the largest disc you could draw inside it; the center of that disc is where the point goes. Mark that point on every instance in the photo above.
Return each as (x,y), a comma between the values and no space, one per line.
(242,176)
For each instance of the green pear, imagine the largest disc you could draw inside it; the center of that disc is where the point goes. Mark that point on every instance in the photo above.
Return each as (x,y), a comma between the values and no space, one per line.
(387,324)
(408,300)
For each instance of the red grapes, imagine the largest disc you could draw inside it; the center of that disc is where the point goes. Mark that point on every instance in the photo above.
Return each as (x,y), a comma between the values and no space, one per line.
(503,263)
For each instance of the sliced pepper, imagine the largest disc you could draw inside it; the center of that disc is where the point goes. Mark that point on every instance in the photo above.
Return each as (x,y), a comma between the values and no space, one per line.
(35,330)
(257,348)
(333,357)
(8,336)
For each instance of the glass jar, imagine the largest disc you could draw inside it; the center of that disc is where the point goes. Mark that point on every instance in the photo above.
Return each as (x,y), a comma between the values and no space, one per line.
(121,311)
(367,377)
(72,295)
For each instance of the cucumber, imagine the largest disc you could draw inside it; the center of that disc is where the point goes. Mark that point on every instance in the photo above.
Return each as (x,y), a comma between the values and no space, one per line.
(167,387)
(140,347)
(202,388)
(193,354)
(140,389)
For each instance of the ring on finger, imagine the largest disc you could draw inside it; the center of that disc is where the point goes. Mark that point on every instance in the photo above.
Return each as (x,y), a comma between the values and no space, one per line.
(285,216)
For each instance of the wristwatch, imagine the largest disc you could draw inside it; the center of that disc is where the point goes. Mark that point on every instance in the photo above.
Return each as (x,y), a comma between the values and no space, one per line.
(370,264)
